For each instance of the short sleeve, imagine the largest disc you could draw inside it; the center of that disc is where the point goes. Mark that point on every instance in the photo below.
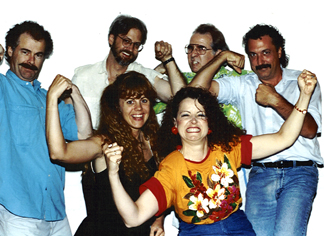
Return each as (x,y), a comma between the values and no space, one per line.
(68,123)
(246,150)
(156,188)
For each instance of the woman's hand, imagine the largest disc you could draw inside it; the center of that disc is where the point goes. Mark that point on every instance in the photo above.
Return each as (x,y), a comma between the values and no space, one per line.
(113,154)
(157,228)
(307,82)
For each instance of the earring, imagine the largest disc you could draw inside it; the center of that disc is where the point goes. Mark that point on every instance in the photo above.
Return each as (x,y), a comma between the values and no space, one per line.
(174,130)
(209,131)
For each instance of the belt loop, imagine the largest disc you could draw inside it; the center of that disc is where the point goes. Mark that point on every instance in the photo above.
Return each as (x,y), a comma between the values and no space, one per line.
(263,165)
(294,164)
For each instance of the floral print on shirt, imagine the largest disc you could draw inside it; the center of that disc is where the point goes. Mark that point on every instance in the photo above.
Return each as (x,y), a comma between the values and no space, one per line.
(215,201)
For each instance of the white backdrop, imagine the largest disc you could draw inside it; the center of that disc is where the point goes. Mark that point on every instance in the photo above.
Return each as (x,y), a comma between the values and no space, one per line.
(79,30)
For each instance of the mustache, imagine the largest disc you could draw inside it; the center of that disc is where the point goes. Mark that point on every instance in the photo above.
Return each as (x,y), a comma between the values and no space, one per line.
(29,66)
(263,66)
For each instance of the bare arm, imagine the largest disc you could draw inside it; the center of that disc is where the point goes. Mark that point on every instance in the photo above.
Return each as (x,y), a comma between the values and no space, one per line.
(266,95)
(82,113)
(265,145)
(204,77)
(133,213)
(163,52)
(74,152)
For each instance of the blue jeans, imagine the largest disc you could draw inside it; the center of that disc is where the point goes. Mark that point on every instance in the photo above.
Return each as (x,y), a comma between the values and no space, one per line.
(279,201)
(235,224)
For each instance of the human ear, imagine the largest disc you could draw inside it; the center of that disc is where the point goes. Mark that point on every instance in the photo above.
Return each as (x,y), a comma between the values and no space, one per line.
(175,123)
(10,51)
(279,52)
(111,39)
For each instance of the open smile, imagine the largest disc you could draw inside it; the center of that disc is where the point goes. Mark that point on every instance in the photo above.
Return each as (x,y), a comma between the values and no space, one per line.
(138,117)
(193,130)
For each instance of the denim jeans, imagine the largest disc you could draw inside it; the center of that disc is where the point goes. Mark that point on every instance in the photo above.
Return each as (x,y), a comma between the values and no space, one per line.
(235,224)
(279,200)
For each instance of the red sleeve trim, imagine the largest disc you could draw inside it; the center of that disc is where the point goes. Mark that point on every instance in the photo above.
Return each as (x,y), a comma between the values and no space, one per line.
(246,150)
(154,185)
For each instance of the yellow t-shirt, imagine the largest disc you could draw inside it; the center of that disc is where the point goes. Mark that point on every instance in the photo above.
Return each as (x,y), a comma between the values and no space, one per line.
(201,192)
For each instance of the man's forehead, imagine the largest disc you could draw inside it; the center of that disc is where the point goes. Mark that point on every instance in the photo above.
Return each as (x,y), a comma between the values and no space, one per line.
(134,33)
(27,41)
(264,40)
(201,39)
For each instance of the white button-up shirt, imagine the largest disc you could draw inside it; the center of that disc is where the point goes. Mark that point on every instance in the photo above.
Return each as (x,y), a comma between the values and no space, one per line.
(257,120)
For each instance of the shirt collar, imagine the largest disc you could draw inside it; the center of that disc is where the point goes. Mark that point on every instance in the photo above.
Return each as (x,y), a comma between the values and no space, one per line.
(13,76)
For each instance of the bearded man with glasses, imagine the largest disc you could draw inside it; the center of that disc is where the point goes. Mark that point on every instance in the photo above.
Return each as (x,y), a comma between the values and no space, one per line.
(127,36)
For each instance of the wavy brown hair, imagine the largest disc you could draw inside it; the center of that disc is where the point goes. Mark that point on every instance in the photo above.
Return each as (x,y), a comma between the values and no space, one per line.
(114,128)
(224,133)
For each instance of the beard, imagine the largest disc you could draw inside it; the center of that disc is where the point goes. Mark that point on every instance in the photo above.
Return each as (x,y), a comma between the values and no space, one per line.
(123,62)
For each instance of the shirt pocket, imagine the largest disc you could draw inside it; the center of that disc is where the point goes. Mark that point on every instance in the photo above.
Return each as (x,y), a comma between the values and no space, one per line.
(25,125)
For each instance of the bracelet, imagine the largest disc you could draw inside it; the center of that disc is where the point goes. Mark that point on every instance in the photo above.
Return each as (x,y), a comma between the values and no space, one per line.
(302,111)
(167,61)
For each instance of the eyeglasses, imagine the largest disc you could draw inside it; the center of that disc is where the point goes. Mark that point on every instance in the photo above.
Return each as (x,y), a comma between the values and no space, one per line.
(201,50)
(128,43)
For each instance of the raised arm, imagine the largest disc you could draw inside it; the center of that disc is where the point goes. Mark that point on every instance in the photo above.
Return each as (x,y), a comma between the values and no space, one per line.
(82,113)
(265,145)
(133,213)
(74,152)
(204,77)
(163,53)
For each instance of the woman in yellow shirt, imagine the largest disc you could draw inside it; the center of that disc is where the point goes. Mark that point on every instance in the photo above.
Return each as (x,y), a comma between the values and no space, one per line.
(200,178)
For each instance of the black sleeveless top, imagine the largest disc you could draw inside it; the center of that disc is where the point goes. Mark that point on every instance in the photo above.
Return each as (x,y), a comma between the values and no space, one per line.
(102,215)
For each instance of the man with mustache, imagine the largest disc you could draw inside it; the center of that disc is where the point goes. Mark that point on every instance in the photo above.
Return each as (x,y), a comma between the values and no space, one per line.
(31,186)
(126,38)
(282,187)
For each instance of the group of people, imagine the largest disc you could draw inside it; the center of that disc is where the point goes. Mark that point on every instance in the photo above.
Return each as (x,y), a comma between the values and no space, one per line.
(135,167)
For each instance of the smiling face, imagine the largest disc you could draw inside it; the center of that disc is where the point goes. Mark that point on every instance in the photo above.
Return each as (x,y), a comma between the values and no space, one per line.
(264,59)
(27,59)
(191,121)
(135,111)
(124,55)
(195,60)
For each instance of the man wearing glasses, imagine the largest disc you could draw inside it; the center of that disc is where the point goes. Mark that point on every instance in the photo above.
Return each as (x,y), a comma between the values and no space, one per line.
(205,44)
(126,38)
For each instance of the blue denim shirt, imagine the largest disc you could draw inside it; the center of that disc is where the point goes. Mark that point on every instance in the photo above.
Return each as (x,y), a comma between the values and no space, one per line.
(30,184)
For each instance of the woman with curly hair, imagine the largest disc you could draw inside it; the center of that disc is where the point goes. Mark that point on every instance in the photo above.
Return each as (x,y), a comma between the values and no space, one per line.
(199,176)
(126,118)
